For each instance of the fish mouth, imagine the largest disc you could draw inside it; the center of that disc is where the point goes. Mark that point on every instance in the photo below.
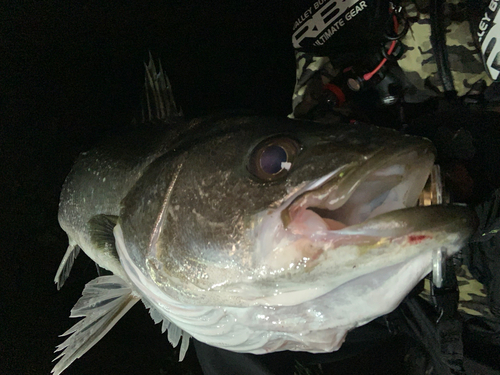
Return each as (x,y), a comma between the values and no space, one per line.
(356,193)
(358,220)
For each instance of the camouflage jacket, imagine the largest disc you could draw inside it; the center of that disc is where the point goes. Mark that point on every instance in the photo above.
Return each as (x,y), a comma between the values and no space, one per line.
(420,69)
(417,62)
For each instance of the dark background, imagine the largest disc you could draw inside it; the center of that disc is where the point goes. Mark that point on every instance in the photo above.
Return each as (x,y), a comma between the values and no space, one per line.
(71,72)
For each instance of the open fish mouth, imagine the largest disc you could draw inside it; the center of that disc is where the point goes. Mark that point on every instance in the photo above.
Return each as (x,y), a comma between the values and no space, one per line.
(359,220)
(356,193)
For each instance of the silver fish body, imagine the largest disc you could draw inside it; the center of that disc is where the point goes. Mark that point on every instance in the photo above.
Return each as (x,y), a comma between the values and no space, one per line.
(254,234)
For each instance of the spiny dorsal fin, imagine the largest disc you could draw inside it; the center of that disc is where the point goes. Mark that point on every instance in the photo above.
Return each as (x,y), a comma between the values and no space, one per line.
(66,264)
(104,301)
(160,103)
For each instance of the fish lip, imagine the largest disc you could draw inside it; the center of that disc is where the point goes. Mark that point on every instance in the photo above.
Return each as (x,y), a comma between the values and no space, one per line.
(446,218)
(341,184)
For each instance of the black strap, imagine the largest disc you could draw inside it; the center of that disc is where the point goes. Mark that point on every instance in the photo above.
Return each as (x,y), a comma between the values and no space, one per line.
(449,324)
(438,41)
(424,331)
(438,328)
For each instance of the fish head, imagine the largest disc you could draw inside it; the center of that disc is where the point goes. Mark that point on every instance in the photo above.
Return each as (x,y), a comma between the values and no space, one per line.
(253,212)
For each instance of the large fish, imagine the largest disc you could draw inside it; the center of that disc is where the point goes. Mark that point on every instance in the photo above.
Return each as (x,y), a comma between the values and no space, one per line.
(251,234)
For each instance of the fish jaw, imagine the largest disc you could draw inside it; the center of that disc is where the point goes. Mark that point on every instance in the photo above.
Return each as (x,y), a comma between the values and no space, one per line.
(322,211)
(340,228)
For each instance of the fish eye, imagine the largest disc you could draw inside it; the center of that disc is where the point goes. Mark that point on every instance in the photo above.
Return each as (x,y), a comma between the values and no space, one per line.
(273,158)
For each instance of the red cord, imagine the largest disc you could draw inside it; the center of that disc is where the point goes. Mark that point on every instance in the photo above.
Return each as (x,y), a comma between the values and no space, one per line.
(368,76)
(338,93)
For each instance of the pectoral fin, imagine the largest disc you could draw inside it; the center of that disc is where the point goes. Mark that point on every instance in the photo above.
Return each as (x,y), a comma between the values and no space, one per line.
(104,301)
(101,232)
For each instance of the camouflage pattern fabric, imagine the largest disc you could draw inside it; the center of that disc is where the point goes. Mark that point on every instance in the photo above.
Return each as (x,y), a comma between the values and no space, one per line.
(464,57)
(312,72)
(417,62)
(472,300)
(419,66)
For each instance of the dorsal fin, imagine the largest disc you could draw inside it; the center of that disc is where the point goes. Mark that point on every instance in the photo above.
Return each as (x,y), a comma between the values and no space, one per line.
(160,103)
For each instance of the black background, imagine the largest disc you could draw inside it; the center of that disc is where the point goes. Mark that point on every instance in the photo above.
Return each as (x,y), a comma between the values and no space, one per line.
(72,71)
